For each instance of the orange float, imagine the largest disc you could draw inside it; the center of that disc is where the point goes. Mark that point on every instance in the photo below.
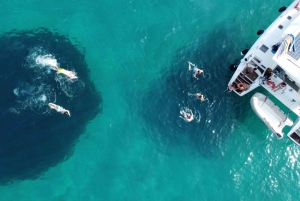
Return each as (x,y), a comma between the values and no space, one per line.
(241,86)
(272,84)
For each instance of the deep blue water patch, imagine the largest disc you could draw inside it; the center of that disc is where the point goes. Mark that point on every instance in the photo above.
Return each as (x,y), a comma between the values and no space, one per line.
(32,136)
(215,119)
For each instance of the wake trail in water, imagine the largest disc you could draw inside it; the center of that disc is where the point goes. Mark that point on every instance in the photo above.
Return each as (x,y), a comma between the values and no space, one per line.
(33,97)
(197,115)
(46,60)
(35,92)
(71,87)
(42,63)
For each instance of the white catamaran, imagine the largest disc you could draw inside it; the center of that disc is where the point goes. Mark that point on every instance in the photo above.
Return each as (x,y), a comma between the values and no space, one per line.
(273,62)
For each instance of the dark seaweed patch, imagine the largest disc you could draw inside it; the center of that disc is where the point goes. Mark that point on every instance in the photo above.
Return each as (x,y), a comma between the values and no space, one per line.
(33,137)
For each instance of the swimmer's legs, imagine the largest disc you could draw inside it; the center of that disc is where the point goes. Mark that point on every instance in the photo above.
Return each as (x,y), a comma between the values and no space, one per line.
(52,106)
(183,113)
(190,65)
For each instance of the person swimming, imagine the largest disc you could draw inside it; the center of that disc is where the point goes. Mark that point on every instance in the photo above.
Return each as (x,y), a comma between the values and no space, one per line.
(59,109)
(198,96)
(195,69)
(187,116)
(68,73)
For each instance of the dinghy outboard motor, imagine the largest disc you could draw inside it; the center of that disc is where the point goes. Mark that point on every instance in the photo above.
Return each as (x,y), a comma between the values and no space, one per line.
(282,9)
(233,67)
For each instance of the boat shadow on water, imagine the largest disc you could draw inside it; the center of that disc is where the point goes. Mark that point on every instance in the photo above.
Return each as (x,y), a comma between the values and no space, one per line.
(33,137)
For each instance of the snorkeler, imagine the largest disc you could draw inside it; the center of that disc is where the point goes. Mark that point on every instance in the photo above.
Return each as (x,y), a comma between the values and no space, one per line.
(198,96)
(195,69)
(68,73)
(59,109)
(187,116)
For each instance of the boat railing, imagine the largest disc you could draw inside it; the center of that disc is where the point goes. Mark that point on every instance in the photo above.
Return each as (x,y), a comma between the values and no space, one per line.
(246,76)
(255,65)
(243,78)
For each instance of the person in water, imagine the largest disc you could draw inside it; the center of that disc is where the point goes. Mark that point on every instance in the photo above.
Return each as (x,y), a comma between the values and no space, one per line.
(187,116)
(68,73)
(195,69)
(59,109)
(198,96)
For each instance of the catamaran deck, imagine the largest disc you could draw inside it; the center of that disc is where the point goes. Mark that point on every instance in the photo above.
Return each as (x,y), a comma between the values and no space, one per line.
(261,57)
(273,62)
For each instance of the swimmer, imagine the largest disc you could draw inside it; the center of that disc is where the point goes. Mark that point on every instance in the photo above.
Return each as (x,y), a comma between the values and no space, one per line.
(199,96)
(68,73)
(195,69)
(187,116)
(59,109)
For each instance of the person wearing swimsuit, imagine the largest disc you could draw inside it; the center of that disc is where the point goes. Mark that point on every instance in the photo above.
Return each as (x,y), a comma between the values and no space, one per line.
(187,116)
(281,85)
(198,96)
(68,73)
(59,109)
(195,69)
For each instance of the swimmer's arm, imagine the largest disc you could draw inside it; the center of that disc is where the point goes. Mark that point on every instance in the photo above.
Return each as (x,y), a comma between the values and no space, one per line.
(54,68)
(190,63)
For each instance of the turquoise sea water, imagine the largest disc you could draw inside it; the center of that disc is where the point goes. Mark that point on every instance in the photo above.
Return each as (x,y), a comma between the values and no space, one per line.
(138,148)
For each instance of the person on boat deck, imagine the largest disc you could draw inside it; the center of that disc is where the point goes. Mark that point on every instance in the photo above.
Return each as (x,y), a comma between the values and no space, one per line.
(187,116)
(232,87)
(242,87)
(195,69)
(249,70)
(267,75)
(68,73)
(198,96)
(281,85)
(59,109)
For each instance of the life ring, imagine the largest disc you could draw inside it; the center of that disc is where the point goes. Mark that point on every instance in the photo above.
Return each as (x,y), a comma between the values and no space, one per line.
(241,86)
(272,84)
